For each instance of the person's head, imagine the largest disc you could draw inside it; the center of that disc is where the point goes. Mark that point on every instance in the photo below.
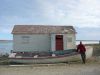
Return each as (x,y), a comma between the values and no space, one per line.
(80,42)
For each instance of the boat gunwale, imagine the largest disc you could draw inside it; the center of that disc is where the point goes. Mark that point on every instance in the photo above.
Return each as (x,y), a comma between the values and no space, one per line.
(47,57)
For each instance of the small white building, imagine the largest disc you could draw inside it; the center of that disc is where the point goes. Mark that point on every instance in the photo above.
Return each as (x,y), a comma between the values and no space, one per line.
(30,38)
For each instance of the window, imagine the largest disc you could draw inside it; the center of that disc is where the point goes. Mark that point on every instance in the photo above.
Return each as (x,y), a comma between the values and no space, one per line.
(25,39)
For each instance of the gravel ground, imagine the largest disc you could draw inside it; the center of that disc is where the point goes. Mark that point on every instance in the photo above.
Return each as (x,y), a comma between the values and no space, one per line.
(52,69)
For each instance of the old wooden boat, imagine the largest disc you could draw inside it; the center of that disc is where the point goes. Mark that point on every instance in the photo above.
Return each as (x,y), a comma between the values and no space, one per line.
(52,57)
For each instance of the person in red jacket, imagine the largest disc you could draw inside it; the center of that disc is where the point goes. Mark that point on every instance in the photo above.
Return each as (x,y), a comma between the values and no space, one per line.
(81,49)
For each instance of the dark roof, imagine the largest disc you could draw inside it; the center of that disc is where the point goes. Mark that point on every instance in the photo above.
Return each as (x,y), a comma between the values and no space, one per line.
(41,29)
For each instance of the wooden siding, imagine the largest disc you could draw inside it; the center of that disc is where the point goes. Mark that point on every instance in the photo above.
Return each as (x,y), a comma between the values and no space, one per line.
(36,43)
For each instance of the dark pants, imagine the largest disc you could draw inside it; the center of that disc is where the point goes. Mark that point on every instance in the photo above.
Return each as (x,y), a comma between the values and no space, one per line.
(83,56)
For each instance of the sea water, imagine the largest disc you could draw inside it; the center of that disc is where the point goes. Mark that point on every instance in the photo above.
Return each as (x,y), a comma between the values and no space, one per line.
(6,46)
(88,42)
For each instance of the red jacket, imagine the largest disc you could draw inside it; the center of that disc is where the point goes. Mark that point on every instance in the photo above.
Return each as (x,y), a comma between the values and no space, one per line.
(81,48)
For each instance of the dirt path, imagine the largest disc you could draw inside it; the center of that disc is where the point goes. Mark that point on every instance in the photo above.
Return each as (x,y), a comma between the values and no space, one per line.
(59,69)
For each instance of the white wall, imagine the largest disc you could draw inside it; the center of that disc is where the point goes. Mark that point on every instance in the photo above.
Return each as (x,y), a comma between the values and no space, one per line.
(70,44)
(37,42)
(89,51)
(65,41)
(53,42)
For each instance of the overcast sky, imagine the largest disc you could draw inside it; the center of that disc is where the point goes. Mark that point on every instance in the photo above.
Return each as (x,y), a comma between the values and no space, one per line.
(84,15)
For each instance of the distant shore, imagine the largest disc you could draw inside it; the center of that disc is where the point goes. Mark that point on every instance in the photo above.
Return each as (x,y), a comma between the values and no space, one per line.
(6,40)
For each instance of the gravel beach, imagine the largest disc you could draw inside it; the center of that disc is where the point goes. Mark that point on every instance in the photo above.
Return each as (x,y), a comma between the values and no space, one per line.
(52,69)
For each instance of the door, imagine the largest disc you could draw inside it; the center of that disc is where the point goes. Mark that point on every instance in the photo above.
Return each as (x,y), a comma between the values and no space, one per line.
(59,42)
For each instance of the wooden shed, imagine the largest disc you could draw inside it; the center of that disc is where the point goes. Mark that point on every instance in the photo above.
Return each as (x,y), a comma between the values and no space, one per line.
(30,38)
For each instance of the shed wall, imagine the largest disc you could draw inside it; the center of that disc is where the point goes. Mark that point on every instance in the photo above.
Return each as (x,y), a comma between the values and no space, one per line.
(36,42)
(42,42)
(71,41)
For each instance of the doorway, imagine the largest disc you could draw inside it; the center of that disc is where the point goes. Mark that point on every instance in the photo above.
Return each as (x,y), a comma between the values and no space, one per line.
(59,42)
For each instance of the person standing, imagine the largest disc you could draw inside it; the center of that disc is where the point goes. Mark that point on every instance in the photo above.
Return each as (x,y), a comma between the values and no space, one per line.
(81,49)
